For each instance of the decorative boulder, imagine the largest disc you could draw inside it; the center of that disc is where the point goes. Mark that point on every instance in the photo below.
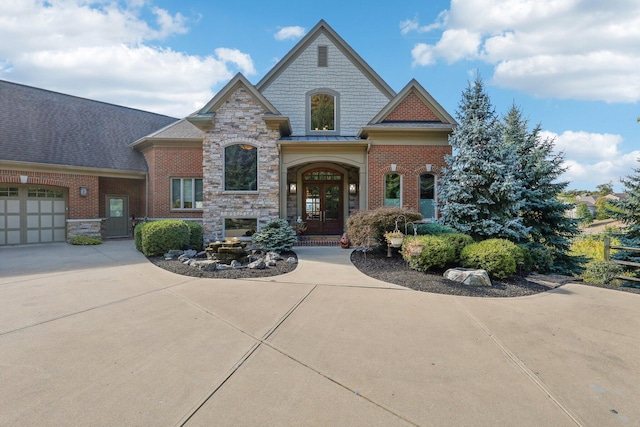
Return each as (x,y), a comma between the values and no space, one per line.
(292,260)
(468,276)
(273,256)
(259,265)
(236,264)
(205,265)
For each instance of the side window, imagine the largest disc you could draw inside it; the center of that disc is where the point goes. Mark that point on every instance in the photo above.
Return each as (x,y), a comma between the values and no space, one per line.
(186,193)
(392,189)
(241,168)
(427,192)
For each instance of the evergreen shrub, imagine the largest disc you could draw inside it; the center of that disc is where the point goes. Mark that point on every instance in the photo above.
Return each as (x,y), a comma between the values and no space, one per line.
(277,236)
(437,252)
(85,240)
(196,235)
(137,234)
(367,228)
(458,241)
(499,257)
(432,229)
(601,272)
(540,258)
(159,237)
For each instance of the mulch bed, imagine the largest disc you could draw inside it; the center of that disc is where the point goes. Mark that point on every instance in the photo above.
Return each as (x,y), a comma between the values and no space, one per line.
(394,270)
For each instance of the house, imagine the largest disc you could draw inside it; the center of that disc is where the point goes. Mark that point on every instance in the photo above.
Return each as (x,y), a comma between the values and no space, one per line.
(320,136)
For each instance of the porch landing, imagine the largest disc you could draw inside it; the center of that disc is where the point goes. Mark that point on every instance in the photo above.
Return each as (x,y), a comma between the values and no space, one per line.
(328,240)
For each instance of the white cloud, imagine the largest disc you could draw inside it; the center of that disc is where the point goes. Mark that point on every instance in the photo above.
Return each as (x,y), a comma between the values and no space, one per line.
(547,48)
(101,49)
(593,158)
(290,33)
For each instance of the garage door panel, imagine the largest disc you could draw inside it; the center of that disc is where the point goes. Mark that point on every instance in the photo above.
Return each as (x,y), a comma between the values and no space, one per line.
(33,206)
(46,236)
(33,221)
(13,221)
(59,235)
(13,206)
(59,206)
(46,206)
(46,221)
(59,221)
(33,236)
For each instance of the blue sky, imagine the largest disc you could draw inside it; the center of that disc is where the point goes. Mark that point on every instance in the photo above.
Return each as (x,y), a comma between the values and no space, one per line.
(573,66)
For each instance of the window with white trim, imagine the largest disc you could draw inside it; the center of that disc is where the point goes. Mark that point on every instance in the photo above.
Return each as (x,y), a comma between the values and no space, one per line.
(186,193)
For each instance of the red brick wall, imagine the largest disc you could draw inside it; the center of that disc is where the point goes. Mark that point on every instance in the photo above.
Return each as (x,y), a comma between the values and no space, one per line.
(134,188)
(411,109)
(410,161)
(79,207)
(166,163)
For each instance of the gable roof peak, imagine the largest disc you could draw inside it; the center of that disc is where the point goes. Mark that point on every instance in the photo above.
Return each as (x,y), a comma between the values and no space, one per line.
(322,27)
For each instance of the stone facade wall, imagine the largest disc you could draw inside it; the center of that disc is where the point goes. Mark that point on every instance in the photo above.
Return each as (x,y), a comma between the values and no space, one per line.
(239,121)
(359,99)
(85,227)
(410,161)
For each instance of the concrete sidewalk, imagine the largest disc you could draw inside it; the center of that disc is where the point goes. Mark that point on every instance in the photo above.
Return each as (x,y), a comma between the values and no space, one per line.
(99,336)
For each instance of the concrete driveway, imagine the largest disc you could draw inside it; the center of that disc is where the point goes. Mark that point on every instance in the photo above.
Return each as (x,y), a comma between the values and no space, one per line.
(97,336)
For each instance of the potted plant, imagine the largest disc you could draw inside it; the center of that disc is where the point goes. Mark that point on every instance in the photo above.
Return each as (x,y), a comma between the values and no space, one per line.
(413,247)
(394,238)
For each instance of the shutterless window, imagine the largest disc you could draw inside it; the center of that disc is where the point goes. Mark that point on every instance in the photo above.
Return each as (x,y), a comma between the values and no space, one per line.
(392,189)
(427,194)
(240,227)
(323,112)
(323,56)
(241,168)
(186,193)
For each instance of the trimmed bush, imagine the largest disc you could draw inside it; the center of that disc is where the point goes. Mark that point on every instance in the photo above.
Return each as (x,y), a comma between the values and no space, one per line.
(196,235)
(458,241)
(367,228)
(499,257)
(159,237)
(601,272)
(432,229)
(85,240)
(540,258)
(276,236)
(137,234)
(438,252)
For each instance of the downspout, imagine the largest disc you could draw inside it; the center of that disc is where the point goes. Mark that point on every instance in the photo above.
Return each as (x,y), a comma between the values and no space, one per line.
(146,195)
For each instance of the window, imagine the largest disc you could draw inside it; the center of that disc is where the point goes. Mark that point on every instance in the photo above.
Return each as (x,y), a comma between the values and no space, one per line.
(44,193)
(186,193)
(240,227)
(392,189)
(323,112)
(241,168)
(8,191)
(427,186)
(323,60)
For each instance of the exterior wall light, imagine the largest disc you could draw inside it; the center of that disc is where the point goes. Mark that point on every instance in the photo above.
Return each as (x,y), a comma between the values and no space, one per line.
(83,190)
(353,188)
(293,188)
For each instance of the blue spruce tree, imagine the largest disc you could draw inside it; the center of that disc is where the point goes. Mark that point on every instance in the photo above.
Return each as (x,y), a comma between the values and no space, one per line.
(479,194)
(537,168)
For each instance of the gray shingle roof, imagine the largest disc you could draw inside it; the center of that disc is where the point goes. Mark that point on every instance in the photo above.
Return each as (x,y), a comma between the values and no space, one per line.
(41,126)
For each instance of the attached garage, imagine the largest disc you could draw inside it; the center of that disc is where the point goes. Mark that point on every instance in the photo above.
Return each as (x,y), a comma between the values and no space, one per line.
(31,214)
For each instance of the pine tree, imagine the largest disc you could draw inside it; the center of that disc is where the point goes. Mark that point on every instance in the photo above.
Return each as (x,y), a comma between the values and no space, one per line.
(537,169)
(478,193)
(628,210)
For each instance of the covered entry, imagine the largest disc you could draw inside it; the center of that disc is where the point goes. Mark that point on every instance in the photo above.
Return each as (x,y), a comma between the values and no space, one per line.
(323,199)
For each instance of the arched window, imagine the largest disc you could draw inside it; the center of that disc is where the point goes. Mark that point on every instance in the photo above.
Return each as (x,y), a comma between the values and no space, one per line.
(241,168)
(393,189)
(427,195)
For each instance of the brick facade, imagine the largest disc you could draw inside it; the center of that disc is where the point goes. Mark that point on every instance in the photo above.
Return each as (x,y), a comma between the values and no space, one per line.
(410,161)
(166,163)
(411,109)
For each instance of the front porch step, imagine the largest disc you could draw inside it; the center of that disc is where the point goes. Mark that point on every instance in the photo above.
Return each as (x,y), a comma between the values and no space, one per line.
(318,241)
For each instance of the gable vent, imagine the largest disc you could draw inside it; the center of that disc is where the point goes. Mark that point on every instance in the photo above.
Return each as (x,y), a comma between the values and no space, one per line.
(322,56)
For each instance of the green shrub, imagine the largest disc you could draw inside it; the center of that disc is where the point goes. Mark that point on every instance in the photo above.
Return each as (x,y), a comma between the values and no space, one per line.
(540,258)
(196,235)
(458,241)
(592,246)
(367,228)
(437,252)
(159,237)
(85,240)
(601,272)
(137,234)
(499,257)
(432,229)
(276,236)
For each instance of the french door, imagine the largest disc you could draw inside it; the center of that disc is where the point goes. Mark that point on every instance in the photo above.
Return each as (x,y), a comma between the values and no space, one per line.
(322,209)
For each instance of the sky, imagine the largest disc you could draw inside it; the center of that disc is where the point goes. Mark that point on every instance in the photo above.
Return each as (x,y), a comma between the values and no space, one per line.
(572,66)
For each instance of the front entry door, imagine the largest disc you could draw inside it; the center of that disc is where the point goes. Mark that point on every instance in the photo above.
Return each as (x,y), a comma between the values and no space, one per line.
(117,223)
(323,208)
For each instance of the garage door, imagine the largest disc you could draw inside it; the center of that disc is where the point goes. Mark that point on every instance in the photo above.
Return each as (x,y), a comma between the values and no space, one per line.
(32,215)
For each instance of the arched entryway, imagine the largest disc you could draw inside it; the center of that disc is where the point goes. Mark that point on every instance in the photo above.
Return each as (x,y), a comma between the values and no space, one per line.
(322,201)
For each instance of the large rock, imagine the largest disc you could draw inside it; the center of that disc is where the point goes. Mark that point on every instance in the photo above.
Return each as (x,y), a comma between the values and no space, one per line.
(257,265)
(468,276)
(205,265)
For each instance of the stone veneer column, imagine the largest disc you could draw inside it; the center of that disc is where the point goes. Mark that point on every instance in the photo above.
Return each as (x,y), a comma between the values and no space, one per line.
(239,120)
